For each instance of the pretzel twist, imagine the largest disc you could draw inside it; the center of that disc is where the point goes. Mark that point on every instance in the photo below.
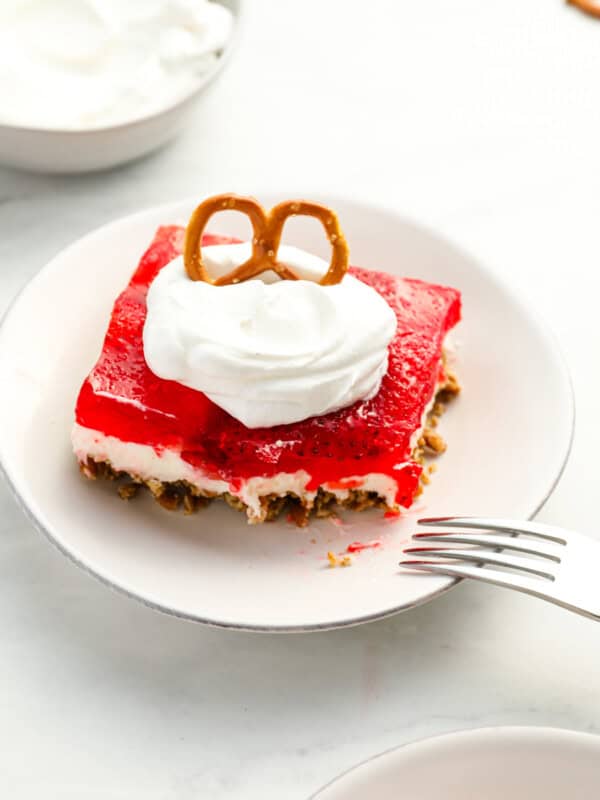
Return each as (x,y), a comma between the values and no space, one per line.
(267,230)
(587,6)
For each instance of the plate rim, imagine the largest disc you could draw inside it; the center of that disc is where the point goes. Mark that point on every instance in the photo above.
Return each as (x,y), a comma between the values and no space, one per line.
(486,731)
(332,198)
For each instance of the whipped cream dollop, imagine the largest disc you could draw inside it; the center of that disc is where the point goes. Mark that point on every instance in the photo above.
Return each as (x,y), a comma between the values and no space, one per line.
(73,64)
(269,352)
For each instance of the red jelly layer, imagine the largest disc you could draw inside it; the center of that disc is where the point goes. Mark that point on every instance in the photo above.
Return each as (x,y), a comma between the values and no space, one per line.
(121,397)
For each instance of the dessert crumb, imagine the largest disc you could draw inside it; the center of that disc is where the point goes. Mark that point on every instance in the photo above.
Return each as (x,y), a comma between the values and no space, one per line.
(433,441)
(128,490)
(334,561)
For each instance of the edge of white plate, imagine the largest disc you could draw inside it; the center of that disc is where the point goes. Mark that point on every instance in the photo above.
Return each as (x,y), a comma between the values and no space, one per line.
(509,731)
(540,323)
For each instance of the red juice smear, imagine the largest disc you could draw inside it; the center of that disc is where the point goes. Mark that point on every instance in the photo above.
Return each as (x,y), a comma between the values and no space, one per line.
(356,547)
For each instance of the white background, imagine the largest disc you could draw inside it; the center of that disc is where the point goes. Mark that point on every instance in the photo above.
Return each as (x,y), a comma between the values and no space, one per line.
(480,119)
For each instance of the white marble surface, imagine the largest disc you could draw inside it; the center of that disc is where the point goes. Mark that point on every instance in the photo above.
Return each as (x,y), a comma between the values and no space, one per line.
(480,119)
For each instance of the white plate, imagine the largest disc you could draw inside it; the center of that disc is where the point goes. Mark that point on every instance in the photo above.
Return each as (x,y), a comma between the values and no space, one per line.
(486,764)
(508,436)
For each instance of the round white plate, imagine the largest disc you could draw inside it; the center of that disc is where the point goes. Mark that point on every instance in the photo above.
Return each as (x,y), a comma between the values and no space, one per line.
(508,438)
(486,764)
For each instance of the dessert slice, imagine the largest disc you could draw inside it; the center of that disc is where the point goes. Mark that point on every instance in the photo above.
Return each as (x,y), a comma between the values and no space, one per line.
(159,433)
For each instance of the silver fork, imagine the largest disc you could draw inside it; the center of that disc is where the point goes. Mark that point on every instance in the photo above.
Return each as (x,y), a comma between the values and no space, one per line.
(548,562)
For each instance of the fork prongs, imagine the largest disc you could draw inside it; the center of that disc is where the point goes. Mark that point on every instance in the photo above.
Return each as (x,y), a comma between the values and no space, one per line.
(510,580)
(495,541)
(529,566)
(535,529)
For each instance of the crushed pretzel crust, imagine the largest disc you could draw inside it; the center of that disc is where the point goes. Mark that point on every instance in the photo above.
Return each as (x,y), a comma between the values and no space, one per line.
(178,495)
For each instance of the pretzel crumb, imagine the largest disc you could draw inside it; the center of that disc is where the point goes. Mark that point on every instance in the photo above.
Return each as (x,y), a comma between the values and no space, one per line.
(334,561)
(433,441)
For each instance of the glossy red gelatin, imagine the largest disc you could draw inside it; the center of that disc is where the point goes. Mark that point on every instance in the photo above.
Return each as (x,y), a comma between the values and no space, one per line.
(121,397)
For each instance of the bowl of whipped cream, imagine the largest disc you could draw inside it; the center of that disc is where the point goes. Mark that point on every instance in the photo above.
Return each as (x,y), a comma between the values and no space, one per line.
(91,84)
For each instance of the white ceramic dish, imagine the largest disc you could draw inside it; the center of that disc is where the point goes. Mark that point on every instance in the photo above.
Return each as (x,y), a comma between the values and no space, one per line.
(50,150)
(508,435)
(486,764)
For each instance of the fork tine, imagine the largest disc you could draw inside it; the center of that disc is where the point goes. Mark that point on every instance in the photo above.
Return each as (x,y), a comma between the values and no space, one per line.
(528,565)
(496,577)
(517,544)
(536,529)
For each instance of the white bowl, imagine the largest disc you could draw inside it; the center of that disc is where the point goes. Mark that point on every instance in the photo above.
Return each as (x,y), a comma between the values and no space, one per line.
(486,764)
(53,150)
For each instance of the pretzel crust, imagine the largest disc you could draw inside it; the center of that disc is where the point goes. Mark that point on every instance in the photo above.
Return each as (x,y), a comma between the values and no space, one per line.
(267,229)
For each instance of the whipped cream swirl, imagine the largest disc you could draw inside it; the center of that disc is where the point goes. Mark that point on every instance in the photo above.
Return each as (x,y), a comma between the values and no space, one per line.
(269,352)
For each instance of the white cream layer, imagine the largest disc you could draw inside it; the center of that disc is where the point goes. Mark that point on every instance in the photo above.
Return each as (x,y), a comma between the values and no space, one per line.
(143,461)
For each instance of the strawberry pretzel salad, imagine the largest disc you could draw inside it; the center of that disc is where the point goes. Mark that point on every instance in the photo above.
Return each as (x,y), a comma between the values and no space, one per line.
(256,373)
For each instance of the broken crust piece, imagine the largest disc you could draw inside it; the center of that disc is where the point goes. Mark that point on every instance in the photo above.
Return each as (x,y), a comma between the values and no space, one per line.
(150,432)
